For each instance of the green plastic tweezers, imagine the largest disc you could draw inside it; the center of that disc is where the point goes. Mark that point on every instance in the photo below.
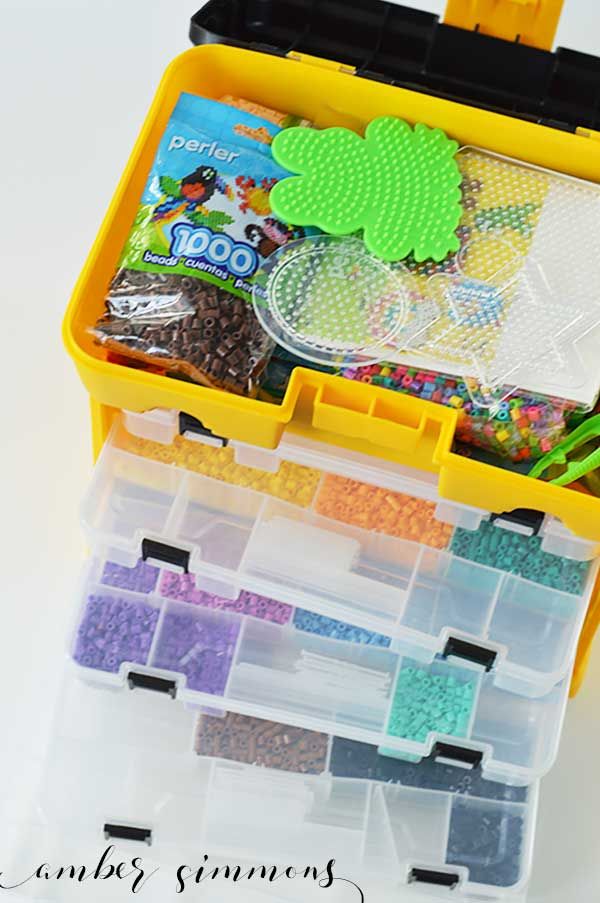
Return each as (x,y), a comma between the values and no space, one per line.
(575,470)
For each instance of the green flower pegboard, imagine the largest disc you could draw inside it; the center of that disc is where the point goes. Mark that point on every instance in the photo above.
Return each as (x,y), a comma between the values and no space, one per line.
(401,185)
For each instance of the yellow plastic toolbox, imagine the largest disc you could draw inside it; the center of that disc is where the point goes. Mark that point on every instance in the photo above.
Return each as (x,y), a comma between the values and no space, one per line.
(344,64)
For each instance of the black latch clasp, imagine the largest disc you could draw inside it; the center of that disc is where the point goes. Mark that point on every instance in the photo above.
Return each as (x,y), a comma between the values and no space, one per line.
(527,521)
(159,551)
(429,876)
(189,424)
(127,832)
(470,652)
(457,755)
(138,680)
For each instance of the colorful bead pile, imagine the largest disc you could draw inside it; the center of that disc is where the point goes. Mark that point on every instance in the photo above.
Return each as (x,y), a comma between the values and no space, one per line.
(488,841)
(337,630)
(424,703)
(254,741)
(520,555)
(525,427)
(200,648)
(114,630)
(182,588)
(292,482)
(382,511)
(140,579)
(257,742)
(143,579)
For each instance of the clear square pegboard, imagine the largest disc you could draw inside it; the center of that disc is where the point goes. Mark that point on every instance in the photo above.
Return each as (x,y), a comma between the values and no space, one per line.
(522,292)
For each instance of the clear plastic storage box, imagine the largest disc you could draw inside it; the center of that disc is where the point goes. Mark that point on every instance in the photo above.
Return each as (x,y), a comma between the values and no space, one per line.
(361,650)
(135,771)
(247,589)
(349,538)
(211,657)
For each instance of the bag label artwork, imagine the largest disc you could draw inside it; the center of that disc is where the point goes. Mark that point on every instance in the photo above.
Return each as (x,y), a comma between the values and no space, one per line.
(206,206)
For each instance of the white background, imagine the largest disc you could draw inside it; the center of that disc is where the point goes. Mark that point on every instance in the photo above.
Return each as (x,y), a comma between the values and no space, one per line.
(75,81)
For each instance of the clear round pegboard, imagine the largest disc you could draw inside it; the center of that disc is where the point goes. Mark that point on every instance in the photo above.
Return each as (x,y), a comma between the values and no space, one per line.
(328,300)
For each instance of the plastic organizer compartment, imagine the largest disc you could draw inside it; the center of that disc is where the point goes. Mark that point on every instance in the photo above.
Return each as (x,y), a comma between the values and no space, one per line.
(209,656)
(167,435)
(126,769)
(289,540)
(484,832)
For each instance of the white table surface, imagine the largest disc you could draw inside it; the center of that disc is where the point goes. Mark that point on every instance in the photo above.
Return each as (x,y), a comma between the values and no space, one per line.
(76,79)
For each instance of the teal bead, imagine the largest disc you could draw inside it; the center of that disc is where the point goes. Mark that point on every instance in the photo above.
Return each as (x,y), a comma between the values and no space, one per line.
(520,555)
(424,703)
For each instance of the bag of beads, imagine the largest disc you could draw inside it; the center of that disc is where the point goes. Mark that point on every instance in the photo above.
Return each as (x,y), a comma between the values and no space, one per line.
(180,297)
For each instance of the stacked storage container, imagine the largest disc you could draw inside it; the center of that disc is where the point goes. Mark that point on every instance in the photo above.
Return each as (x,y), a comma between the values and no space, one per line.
(368,640)
(335,620)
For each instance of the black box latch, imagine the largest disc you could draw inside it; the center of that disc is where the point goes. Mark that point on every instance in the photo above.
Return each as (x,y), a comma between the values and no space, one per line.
(457,755)
(141,681)
(189,424)
(470,652)
(527,521)
(154,550)
(429,876)
(127,832)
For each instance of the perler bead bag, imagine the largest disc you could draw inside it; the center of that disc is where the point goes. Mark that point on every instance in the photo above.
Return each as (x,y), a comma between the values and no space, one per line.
(179,298)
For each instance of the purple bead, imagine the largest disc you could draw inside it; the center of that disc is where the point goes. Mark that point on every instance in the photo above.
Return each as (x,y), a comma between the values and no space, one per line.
(201,647)
(182,587)
(105,642)
(140,579)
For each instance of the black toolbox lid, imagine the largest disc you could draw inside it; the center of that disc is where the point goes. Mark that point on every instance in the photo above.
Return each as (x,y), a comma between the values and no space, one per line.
(413,49)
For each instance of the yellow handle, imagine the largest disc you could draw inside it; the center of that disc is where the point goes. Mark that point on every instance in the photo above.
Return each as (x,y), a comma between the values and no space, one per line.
(420,432)
(531,22)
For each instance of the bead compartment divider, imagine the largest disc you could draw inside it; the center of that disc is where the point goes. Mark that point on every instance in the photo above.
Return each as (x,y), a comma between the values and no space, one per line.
(235,657)
(157,633)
